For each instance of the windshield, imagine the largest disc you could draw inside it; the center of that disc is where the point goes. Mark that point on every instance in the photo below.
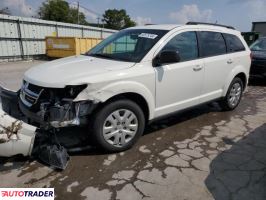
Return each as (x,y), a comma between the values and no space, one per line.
(128,45)
(259,45)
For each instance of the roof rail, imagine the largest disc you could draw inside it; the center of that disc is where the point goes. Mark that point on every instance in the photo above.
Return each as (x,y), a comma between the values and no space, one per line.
(203,23)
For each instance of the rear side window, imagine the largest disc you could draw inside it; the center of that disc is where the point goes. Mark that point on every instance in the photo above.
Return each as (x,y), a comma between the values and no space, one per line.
(212,44)
(234,44)
(186,44)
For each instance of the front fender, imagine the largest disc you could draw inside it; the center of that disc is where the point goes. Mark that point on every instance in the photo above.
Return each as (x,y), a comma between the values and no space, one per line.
(237,70)
(104,93)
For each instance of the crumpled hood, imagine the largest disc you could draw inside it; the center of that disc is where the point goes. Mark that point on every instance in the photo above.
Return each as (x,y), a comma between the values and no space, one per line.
(66,71)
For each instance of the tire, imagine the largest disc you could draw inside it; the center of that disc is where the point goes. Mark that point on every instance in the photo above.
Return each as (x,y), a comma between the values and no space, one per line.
(233,95)
(118,125)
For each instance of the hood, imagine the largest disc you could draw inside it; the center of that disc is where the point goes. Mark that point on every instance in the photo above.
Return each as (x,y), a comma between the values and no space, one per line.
(70,70)
(259,54)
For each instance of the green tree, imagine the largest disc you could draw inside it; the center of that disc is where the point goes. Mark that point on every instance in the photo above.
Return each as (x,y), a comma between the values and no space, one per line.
(60,11)
(54,10)
(117,19)
(73,12)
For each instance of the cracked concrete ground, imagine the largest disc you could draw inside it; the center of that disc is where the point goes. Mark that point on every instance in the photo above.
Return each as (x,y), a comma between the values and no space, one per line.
(197,154)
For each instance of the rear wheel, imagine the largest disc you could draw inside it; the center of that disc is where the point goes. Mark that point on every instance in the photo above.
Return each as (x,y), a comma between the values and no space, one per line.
(118,125)
(233,96)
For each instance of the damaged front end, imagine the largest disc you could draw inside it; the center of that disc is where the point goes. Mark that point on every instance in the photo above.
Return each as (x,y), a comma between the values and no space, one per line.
(30,117)
(19,138)
(54,107)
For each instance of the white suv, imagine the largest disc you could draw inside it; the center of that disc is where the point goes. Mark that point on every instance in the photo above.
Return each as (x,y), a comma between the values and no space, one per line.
(135,76)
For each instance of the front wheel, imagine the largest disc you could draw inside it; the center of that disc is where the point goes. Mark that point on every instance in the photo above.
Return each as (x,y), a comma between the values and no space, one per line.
(233,96)
(118,125)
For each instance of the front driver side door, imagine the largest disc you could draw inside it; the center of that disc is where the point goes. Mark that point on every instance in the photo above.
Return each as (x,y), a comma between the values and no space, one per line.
(179,85)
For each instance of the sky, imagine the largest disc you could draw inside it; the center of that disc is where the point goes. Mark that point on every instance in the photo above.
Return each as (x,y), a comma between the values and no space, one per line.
(237,13)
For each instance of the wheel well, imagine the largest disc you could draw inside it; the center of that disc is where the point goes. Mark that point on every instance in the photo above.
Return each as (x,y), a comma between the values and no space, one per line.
(243,77)
(137,98)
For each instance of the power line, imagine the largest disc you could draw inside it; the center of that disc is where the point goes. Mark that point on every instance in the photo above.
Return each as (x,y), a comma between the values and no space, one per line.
(85,8)
(99,16)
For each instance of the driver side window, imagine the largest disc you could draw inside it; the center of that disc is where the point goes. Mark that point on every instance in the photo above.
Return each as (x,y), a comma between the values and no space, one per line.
(185,44)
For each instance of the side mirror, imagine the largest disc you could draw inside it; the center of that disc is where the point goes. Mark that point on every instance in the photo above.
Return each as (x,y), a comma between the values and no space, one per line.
(166,57)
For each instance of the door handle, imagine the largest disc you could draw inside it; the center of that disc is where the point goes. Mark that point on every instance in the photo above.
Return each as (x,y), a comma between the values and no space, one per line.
(197,68)
(230,61)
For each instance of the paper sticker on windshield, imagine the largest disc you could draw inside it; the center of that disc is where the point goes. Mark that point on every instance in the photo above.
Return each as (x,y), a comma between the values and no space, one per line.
(148,35)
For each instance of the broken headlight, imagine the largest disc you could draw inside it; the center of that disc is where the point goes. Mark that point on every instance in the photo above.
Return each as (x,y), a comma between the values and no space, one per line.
(73,91)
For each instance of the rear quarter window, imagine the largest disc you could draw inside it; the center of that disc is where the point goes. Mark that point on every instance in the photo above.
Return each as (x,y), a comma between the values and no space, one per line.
(234,44)
(211,44)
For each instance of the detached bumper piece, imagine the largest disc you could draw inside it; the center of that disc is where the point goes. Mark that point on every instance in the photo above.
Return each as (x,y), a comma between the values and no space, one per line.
(20,138)
(16,137)
(48,150)
(55,156)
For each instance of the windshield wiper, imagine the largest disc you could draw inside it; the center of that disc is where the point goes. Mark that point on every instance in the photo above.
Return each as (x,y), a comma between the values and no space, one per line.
(108,57)
(101,55)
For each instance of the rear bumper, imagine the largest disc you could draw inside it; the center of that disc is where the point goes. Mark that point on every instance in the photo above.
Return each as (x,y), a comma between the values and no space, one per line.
(258,68)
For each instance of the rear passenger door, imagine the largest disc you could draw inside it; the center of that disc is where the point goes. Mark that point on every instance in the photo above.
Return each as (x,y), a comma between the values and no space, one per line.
(237,55)
(216,62)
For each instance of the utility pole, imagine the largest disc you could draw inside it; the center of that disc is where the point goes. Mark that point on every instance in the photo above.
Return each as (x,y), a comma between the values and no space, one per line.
(98,19)
(91,11)
(78,12)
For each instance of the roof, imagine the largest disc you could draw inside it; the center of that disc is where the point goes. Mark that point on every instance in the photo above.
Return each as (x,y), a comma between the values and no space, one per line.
(210,24)
(258,22)
(173,26)
(159,27)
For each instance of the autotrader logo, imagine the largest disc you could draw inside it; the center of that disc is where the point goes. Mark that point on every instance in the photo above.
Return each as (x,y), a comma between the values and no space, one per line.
(27,193)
